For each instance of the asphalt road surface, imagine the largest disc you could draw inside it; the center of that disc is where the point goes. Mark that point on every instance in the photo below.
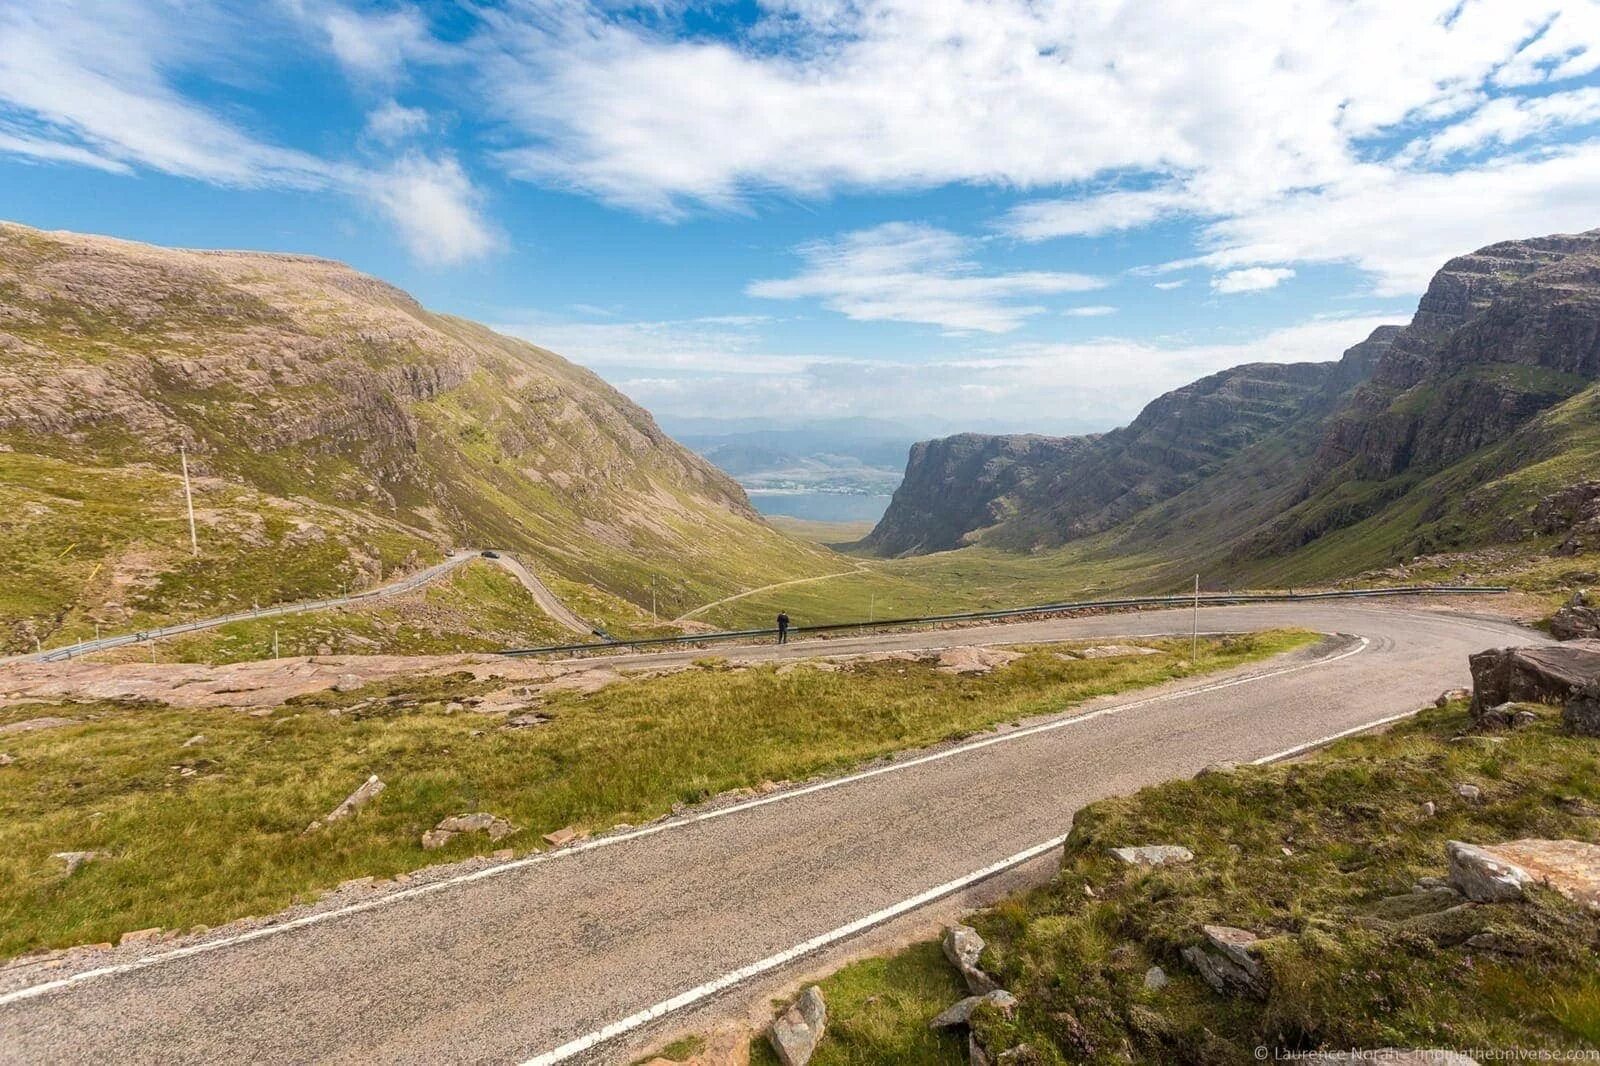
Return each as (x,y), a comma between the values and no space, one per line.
(529,962)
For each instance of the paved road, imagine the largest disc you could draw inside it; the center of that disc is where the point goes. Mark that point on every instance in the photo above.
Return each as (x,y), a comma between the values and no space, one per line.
(547,600)
(510,966)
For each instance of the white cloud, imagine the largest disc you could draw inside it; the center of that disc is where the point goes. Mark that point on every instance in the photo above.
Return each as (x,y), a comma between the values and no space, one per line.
(1178,284)
(684,369)
(896,94)
(436,209)
(1402,226)
(390,122)
(1251,279)
(1090,311)
(906,272)
(1092,216)
(1509,120)
(375,47)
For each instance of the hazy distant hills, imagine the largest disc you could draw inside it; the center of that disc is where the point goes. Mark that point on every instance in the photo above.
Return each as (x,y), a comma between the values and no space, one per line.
(858,456)
(1442,433)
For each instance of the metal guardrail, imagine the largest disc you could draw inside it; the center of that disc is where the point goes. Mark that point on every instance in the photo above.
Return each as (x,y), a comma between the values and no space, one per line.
(1207,599)
(409,584)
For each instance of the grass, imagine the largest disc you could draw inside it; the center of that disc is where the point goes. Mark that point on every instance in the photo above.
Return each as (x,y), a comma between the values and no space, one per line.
(1311,856)
(226,839)
(478,607)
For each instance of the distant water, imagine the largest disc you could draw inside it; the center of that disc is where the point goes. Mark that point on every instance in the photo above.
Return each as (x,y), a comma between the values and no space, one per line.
(822,506)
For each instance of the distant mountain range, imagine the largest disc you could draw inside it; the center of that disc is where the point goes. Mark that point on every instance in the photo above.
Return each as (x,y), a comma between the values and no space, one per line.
(847,456)
(1441,433)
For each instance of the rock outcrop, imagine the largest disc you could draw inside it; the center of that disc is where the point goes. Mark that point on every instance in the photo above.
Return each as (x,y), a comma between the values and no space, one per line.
(1578,618)
(1229,961)
(1536,674)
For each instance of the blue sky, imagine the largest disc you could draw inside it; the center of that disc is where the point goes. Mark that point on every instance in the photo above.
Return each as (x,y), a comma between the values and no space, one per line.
(1003,214)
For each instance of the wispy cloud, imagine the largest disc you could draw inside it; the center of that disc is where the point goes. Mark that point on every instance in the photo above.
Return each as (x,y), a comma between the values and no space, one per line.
(1251,279)
(905,272)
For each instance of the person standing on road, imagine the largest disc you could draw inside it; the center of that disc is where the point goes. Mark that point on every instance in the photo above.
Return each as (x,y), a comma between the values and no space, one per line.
(783,628)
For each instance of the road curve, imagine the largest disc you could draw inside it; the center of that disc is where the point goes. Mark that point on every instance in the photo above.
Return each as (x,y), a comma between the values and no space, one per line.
(547,600)
(508,967)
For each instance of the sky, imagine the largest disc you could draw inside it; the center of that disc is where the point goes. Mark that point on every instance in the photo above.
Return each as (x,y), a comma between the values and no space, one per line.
(955,214)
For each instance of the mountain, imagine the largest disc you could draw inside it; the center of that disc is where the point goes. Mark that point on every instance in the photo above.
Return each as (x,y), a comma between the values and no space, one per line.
(1439,434)
(335,430)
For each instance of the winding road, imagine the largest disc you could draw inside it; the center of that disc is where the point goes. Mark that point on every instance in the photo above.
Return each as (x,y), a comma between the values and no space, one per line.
(592,953)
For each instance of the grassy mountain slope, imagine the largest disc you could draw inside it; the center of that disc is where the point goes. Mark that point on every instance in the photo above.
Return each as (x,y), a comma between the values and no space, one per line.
(337,431)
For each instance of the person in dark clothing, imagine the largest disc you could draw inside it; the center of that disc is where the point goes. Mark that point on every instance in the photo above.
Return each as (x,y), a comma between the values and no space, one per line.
(783,628)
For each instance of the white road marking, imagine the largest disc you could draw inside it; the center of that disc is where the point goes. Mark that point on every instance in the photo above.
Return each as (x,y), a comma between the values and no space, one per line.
(711,988)
(43,988)
(1331,737)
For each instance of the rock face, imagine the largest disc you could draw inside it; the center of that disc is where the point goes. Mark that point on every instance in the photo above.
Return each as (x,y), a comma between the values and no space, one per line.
(1043,490)
(969,660)
(1495,873)
(1582,712)
(1154,854)
(1228,961)
(1483,876)
(1537,674)
(798,1030)
(1501,361)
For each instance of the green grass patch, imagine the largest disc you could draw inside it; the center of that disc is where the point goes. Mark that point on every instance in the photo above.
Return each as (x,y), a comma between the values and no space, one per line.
(1319,857)
(226,839)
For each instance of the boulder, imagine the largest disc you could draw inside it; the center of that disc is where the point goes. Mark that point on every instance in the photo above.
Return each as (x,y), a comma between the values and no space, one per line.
(1469,792)
(1571,867)
(797,1031)
(1582,712)
(963,946)
(570,834)
(1483,876)
(1154,854)
(1577,620)
(1229,961)
(356,800)
(1536,674)
(1450,695)
(977,1054)
(1155,979)
(961,1012)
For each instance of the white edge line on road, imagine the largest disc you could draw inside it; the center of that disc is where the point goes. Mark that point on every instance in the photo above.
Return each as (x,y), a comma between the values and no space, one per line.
(31,991)
(1331,737)
(711,988)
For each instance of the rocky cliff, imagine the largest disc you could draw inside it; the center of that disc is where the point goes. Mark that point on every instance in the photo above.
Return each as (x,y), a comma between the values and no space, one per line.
(309,395)
(1441,433)
(1025,492)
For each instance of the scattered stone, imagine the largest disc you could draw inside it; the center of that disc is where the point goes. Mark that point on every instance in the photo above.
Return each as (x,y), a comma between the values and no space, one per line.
(1116,651)
(347,683)
(1429,884)
(960,1013)
(6,760)
(1482,876)
(453,707)
(1578,619)
(1522,719)
(977,1054)
(1450,695)
(453,826)
(1155,979)
(140,936)
(1217,769)
(767,788)
(1538,674)
(797,1031)
(523,721)
(1228,961)
(1021,1055)
(1470,793)
(963,946)
(356,800)
(1154,855)
(198,738)
(30,725)
(1582,712)
(1429,809)
(970,660)
(75,859)
(566,835)
(503,854)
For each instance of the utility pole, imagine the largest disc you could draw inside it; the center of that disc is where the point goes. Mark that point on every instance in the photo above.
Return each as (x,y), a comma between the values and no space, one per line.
(653,617)
(872,607)
(188,495)
(274,642)
(1194,645)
